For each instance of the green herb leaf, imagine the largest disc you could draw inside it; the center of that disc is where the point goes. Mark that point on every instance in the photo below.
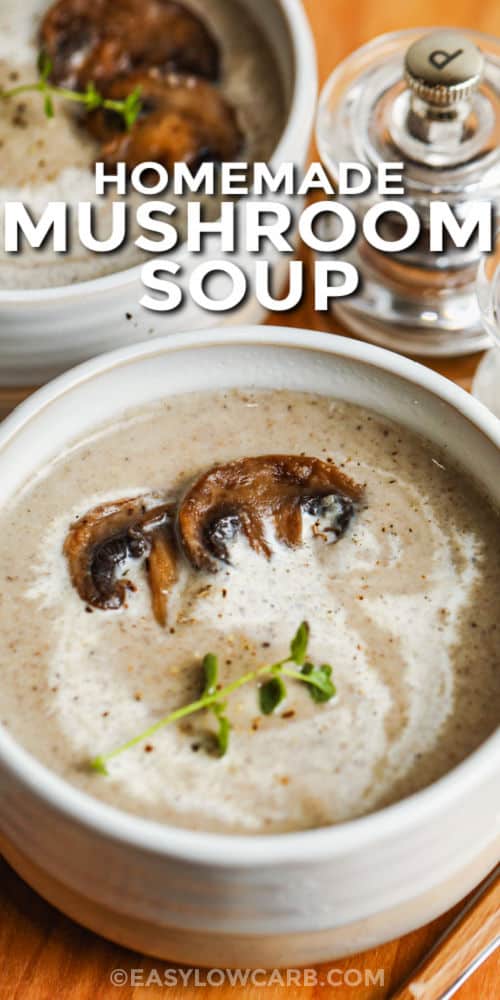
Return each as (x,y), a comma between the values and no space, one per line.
(271,694)
(98,764)
(319,681)
(214,698)
(132,108)
(49,106)
(299,644)
(129,109)
(93,98)
(45,66)
(224,728)
(211,673)
(223,734)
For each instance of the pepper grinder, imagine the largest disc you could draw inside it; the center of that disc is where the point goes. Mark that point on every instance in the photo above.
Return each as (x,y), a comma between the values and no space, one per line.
(487,381)
(431,101)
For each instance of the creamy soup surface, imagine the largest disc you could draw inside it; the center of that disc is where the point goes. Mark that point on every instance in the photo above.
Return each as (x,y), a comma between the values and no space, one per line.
(44,161)
(404,607)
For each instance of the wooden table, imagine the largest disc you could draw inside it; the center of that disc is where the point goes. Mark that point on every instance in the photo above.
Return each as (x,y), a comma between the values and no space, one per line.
(44,956)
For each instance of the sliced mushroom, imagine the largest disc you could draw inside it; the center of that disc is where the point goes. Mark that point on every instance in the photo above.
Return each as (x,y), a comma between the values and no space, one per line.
(98,41)
(243,496)
(183,119)
(162,571)
(100,542)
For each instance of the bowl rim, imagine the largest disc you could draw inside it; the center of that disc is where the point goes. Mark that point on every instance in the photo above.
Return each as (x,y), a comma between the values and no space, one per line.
(234,850)
(302,105)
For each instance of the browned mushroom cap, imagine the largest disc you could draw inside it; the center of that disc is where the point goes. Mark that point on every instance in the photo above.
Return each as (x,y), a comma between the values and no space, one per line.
(241,496)
(100,542)
(98,41)
(183,119)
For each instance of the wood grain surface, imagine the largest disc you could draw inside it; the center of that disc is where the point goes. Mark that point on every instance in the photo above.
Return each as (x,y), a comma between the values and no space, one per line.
(44,956)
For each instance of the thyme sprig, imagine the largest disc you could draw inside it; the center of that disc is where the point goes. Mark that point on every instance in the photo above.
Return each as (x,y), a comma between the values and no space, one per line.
(91,99)
(272,691)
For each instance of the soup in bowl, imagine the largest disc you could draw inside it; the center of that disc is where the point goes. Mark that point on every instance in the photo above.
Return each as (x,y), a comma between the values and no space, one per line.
(216,81)
(249,631)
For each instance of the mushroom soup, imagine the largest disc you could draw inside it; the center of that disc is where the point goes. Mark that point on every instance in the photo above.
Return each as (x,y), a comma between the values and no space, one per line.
(209,89)
(142,548)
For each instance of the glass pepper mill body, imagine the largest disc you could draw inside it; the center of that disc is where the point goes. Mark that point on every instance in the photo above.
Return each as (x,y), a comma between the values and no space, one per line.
(431,101)
(487,381)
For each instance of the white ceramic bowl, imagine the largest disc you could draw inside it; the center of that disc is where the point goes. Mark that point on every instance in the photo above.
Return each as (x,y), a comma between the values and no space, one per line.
(241,901)
(43,332)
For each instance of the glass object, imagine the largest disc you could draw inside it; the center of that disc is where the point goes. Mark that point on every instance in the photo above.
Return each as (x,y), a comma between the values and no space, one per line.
(487,381)
(431,100)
